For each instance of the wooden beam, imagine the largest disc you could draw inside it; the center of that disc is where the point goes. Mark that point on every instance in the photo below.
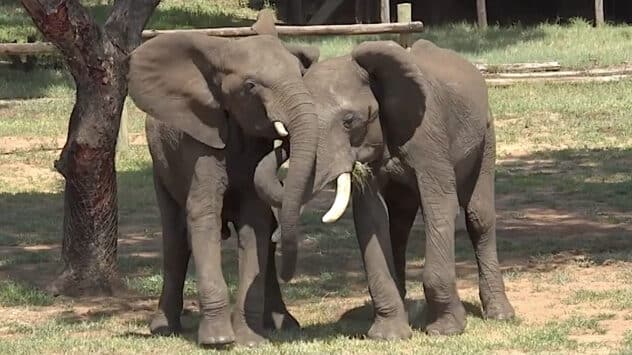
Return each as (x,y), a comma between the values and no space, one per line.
(404,15)
(599,13)
(519,67)
(27,48)
(318,30)
(481,11)
(385,11)
(359,11)
(625,70)
(40,48)
(322,15)
(563,80)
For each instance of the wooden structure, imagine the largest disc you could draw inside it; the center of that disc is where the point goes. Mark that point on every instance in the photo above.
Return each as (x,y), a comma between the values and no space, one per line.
(481,13)
(402,29)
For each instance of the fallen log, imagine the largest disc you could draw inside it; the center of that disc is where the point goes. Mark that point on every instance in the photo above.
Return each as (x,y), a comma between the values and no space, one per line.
(560,80)
(559,74)
(518,67)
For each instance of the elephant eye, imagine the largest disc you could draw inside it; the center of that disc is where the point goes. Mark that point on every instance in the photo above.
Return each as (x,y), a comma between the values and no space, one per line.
(347,120)
(249,85)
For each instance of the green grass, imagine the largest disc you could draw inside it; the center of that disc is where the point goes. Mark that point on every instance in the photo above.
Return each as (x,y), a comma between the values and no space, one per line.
(63,336)
(615,298)
(15,294)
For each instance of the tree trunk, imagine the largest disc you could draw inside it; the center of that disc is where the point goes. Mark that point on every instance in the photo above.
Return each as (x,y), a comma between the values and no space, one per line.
(97,59)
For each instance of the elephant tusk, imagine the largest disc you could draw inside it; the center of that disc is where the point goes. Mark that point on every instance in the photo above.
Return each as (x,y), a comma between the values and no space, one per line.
(343,192)
(280,129)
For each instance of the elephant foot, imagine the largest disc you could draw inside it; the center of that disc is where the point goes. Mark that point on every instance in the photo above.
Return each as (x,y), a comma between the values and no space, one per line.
(161,326)
(448,321)
(498,309)
(215,334)
(245,334)
(281,321)
(393,328)
(249,338)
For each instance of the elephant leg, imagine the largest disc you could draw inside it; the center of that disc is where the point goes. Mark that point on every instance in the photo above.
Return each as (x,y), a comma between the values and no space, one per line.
(254,230)
(176,253)
(439,201)
(371,223)
(204,223)
(481,226)
(276,314)
(403,204)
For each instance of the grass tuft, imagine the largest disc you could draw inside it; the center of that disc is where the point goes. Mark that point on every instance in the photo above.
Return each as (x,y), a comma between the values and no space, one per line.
(361,174)
(14,294)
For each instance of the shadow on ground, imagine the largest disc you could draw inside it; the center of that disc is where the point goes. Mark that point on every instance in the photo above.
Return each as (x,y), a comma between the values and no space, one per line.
(554,208)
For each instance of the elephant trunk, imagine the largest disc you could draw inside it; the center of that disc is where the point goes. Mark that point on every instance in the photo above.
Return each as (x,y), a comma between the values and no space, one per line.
(302,126)
(266,181)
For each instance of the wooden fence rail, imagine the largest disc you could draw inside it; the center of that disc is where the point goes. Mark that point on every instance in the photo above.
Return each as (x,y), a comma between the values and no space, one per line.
(40,48)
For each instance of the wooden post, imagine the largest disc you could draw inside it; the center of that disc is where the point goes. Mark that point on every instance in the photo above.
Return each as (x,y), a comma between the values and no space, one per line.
(599,13)
(404,15)
(385,11)
(481,10)
(359,11)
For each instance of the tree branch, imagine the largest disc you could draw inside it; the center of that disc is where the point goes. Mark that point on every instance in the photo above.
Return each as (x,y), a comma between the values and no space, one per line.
(61,22)
(125,24)
(68,25)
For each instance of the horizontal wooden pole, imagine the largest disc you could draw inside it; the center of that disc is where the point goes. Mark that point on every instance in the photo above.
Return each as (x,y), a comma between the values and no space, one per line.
(562,74)
(519,67)
(563,80)
(345,30)
(318,30)
(27,48)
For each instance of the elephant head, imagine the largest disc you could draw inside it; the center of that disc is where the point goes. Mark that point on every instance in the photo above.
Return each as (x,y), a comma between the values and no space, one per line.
(368,103)
(197,83)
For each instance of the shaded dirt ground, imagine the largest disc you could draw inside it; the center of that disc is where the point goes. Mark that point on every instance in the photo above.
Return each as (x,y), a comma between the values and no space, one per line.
(559,263)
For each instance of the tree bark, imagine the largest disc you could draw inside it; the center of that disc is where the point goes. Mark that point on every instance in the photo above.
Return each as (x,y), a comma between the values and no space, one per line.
(97,59)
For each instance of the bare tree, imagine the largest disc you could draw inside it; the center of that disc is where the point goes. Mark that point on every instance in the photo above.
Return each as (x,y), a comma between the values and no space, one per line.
(97,59)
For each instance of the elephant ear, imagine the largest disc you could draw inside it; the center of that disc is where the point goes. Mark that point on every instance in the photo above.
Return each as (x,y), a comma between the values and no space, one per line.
(398,84)
(171,78)
(307,55)
(266,25)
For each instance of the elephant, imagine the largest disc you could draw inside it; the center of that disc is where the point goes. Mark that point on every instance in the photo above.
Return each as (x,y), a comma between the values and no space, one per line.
(214,107)
(415,128)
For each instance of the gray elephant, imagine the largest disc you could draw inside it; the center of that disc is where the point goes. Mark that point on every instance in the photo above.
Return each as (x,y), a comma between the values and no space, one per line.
(420,120)
(215,106)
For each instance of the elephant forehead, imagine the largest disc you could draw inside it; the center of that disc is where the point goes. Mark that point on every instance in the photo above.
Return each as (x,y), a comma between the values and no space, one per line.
(264,59)
(338,82)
